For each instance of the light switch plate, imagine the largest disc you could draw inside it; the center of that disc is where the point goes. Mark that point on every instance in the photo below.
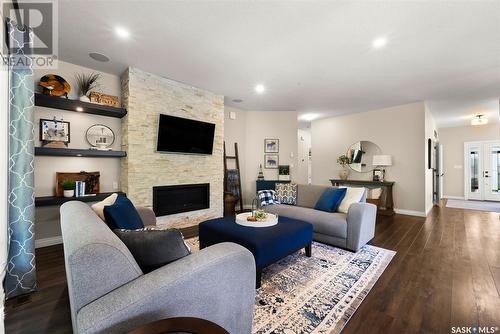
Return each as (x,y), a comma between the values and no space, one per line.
(232,115)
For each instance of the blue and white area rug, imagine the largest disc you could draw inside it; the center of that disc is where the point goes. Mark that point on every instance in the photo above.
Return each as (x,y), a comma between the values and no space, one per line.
(317,294)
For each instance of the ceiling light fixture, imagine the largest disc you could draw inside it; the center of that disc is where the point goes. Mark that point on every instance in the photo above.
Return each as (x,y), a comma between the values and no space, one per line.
(479,120)
(379,42)
(260,88)
(308,117)
(237,100)
(80,109)
(99,57)
(122,32)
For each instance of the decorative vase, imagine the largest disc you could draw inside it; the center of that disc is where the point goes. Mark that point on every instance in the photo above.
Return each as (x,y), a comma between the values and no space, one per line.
(261,174)
(69,193)
(229,204)
(344,174)
(84,98)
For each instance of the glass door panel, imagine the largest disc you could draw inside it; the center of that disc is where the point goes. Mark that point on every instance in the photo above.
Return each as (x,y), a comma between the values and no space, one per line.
(492,172)
(474,171)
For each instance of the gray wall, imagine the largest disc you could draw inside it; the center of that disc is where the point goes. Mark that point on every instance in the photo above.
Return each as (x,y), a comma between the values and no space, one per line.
(249,130)
(399,131)
(430,128)
(453,140)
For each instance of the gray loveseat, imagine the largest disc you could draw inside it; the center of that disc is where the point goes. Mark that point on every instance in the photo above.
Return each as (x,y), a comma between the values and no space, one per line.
(110,294)
(350,231)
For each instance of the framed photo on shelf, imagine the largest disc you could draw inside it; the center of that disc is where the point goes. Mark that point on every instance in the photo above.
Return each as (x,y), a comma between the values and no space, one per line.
(271,161)
(378,175)
(53,131)
(271,145)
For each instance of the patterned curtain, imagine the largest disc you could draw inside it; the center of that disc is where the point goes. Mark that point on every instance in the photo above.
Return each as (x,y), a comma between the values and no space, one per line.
(21,276)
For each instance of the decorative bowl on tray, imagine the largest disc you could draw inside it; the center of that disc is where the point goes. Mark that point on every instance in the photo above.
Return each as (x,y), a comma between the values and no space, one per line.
(256,219)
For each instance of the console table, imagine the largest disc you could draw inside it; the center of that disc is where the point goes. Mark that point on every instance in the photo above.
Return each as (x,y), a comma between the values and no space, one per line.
(386,205)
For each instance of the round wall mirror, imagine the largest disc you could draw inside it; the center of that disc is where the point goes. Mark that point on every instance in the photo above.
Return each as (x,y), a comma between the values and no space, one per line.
(100,136)
(361,154)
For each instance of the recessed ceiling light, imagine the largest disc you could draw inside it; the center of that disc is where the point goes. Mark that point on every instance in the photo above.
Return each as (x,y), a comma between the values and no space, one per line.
(260,88)
(237,100)
(122,32)
(308,117)
(479,120)
(379,42)
(80,109)
(99,57)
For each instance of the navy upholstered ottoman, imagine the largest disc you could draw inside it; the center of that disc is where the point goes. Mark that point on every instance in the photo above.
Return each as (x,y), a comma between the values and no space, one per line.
(267,244)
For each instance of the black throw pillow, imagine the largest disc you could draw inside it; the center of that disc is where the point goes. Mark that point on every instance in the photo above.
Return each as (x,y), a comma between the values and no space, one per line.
(153,248)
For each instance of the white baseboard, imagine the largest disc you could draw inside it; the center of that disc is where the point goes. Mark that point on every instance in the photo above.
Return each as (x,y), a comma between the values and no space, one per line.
(40,243)
(410,213)
(454,197)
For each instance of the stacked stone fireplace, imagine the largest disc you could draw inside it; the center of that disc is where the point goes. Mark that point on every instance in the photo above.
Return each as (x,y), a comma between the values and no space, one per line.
(146,172)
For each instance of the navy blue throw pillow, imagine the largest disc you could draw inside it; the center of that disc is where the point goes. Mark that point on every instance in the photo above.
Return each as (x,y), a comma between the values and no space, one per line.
(123,215)
(330,199)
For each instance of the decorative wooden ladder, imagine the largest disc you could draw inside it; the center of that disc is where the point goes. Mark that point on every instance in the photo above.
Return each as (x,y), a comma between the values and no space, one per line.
(239,199)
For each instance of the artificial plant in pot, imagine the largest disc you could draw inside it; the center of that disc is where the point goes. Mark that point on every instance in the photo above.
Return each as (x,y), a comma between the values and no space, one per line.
(284,172)
(68,187)
(343,161)
(86,83)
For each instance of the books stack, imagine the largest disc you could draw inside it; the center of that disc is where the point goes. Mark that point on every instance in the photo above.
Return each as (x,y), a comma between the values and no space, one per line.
(80,189)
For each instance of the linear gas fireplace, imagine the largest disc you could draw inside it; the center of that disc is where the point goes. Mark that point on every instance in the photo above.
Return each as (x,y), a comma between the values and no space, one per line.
(168,200)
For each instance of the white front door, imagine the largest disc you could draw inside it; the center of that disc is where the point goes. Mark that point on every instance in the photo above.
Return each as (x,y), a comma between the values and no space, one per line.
(482,170)
(491,171)
(473,171)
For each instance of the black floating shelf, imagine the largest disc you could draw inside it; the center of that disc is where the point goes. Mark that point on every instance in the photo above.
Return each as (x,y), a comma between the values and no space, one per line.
(53,200)
(73,152)
(48,101)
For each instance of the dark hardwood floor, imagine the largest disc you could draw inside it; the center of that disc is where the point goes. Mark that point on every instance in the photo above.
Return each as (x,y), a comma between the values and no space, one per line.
(446,273)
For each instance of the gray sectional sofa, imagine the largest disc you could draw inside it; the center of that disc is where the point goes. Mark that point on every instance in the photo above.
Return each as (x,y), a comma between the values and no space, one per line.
(110,294)
(350,231)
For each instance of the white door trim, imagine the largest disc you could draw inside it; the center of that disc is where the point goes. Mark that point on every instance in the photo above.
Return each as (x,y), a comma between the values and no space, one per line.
(481,145)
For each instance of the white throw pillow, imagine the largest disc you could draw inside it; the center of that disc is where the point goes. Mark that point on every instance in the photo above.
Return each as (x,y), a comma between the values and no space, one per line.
(352,195)
(99,206)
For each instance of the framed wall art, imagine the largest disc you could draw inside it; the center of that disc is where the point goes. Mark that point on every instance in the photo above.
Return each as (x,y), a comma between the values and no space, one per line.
(271,145)
(53,131)
(271,161)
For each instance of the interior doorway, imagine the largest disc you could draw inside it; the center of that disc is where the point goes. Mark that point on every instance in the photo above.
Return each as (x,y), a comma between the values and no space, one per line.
(482,170)
(438,173)
(304,158)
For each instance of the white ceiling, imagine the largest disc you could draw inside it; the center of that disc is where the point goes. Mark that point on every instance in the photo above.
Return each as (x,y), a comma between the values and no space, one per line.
(313,57)
(459,112)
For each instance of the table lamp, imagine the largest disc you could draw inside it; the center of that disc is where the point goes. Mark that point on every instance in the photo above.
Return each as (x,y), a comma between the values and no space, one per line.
(382,161)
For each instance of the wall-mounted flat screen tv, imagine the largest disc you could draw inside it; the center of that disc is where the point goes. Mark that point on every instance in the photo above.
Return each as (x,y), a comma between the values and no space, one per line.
(182,135)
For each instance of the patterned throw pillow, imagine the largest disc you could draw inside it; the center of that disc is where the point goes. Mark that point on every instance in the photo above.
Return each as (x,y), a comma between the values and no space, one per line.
(287,193)
(267,197)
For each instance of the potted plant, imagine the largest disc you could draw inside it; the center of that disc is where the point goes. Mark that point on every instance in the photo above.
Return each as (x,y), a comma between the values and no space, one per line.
(86,83)
(68,187)
(284,172)
(343,161)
